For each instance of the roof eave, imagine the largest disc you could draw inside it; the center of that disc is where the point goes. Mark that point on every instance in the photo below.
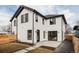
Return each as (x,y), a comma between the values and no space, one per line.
(59,16)
(16,13)
(21,8)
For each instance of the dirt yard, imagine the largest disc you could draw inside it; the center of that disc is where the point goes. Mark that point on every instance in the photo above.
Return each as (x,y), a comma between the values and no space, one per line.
(8,44)
(7,38)
(12,47)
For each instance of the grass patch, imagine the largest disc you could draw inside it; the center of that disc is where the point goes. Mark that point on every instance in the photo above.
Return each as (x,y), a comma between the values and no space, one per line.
(12,47)
(42,49)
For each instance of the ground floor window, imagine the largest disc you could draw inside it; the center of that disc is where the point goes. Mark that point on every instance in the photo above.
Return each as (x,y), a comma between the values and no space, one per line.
(38,35)
(29,34)
(52,35)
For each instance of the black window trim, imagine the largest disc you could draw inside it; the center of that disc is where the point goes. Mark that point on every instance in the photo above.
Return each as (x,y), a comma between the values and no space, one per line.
(53,21)
(36,17)
(14,22)
(28,35)
(24,18)
(43,21)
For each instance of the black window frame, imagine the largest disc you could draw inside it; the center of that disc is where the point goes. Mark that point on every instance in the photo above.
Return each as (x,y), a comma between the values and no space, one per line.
(43,21)
(24,18)
(36,18)
(52,21)
(14,22)
(29,35)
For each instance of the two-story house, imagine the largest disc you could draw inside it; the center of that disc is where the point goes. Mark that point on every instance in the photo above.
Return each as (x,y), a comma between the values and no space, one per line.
(31,26)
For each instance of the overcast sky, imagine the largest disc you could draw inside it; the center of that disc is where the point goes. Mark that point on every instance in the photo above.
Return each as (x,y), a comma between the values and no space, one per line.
(71,12)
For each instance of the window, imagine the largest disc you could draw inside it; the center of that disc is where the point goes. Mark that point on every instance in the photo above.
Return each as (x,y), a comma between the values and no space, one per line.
(44,34)
(43,20)
(14,22)
(52,35)
(29,34)
(36,18)
(53,21)
(24,18)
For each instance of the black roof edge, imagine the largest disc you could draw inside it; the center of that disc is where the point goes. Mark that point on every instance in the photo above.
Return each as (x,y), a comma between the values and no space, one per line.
(33,10)
(39,13)
(61,15)
(64,19)
(21,7)
(15,13)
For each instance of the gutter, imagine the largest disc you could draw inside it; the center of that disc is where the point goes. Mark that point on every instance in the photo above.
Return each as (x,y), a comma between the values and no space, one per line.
(16,29)
(11,27)
(62,28)
(33,30)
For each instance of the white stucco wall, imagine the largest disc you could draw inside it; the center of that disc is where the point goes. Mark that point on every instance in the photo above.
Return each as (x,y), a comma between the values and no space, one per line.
(55,27)
(64,29)
(23,27)
(38,26)
(47,27)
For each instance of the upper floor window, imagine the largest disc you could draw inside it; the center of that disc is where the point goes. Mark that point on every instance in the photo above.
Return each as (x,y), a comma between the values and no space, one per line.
(53,21)
(43,20)
(36,18)
(14,22)
(24,18)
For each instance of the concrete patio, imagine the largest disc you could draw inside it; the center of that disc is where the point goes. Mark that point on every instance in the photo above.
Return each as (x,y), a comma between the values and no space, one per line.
(53,44)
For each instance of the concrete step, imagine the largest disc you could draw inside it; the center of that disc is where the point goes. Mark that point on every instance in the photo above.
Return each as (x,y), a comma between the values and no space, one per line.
(49,43)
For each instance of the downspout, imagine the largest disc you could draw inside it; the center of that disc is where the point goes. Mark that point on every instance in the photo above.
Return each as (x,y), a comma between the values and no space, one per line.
(33,30)
(11,27)
(16,29)
(62,29)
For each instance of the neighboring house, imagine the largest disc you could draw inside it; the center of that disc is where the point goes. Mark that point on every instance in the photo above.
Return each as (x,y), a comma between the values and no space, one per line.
(31,26)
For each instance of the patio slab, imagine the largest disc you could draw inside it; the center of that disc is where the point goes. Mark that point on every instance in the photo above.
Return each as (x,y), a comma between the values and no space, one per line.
(42,49)
(49,43)
(53,44)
